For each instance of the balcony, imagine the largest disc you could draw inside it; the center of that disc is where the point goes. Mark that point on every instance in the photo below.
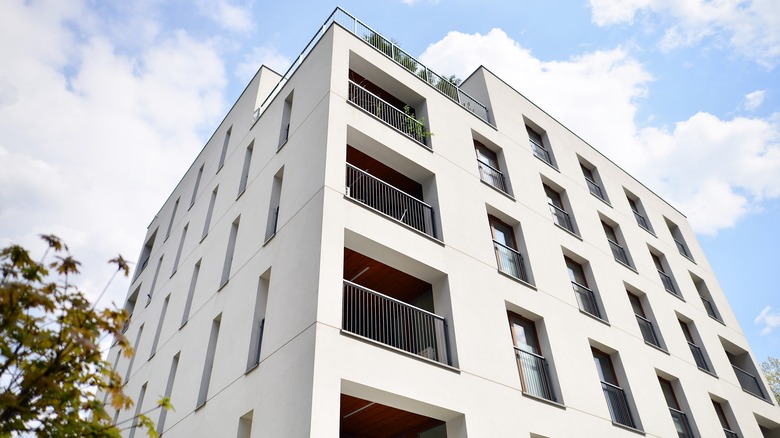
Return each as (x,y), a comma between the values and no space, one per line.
(388,200)
(541,153)
(698,356)
(648,331)
(361,418)
(618,252)
(618,405)
(749,382)
(586,300)
(667,281)
(681,423)
(510,261)
(641,221)
(595,189)
(386,112)
(561,218)
(491,175)
(710,308)
(534,374)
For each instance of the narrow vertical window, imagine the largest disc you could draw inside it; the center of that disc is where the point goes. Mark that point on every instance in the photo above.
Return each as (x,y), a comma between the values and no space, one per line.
(618,252)
(273,209)
(558,209)
(181,246)
(617,402)
(593,182)
(138,411)
(173,217)
(154,280)
(645,325)
(210,212)
(135,352)
(159,326)
(533,367)
(586,298)
(679,418)
(130,307)
(489,169)
(168,391)
(639,212)
(190,293)
(145,255)
(537,146)
(245,425)
(724,422)
(208,366)
(245,171)
(197,185)
(679,241)
(696,350)
(706,298)
(258,321)
(508,257)
(666,278)
(284,133)
(223,154)
(231,249)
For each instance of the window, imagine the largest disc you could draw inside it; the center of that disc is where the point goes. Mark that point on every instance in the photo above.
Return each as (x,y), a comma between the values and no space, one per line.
(724,422)
(617,402)
(245,171)
(154,280)
(696,350)
(273,208)
(593,182)
(181,246)
(139,403)
(173,216)
(225,144)
(284,134)
(558,210)
(210,213)
(245,425)
(679,241)
(197,184)
(679,417)
(586,298)
(168,391)
(537,146)
(706,298)
(258,321)
(135,352)
(231,249)
(160,326)
(508,257)
(130,307)
(487,162)
(532,365)
(190,293)
(645,324)
(666,279)
(208,366)
(618,251)
(745,370)
(639,212)
(145,254)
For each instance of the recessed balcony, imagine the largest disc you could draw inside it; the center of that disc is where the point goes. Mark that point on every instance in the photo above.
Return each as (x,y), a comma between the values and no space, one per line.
(362,418)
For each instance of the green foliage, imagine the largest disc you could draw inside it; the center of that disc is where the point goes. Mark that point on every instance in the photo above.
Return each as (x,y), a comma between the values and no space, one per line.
(771,369)
(414,125)
(51,366)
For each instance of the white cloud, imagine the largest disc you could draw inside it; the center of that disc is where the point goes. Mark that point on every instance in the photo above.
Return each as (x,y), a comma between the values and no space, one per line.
(754,100)
(750,28)
(264,55)
(715,171)
(237,18)
(770,320)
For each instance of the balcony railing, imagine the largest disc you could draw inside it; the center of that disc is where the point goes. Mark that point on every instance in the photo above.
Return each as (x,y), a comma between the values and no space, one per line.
(641,221)
(561,218)
(541,153)
(387,113)
(667,281)
(535,374)
(491,175)
(648,331)
(384,198)
(595,189)
(749,382)
(586,299)
(698,356)
(682,248)
(730,433)
(509,261)
(384,319)
(681,423)
(618,405)
(618,252)
(710,308)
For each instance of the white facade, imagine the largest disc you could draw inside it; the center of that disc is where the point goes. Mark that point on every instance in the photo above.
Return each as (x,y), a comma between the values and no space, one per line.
(323,354)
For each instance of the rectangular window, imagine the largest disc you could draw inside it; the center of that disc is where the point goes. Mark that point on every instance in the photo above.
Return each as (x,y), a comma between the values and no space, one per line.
(245,171)
(273,209)
(197,184)
(538,147)
(173,217)
(679,241)
(618,252)
(696,350)
(159,326)
(487,162)
(706,298)
(154,280)
(135,352)
(679,417)
(245,425)
(645,324)
(617,402)
(508,257)
(639,212)
(208,366)
(593,182)
(130,306)
(210,212)
(724,422)
(223,154)
(168,391)
(139,403)
(745,370)
(586,298)
(532,365)
(190,293)
(666,278)
(181,246)
(258,321)
(145,255)
(558,209)
(284,133)
(231,249)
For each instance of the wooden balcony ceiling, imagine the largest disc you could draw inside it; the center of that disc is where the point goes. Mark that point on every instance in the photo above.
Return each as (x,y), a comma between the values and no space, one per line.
(383,172)
(365,419)
(382,278)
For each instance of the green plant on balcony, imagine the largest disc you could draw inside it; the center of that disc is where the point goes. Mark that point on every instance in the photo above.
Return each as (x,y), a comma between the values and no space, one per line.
(414,125)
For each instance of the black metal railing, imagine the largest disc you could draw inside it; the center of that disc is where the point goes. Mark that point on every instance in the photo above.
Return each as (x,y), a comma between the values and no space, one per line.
(561,218)
(698,356)
(541,153)
(381,196)
(641,221)
(667,281)
(618,252)
(387,113)
(534,374)
(595,189)
(491,175)
(617,404)
(730,433)
(648,331)
(682,248)
(384,319)
(509,261)
(681,423)
(586,299)
(710,308)
(749,382)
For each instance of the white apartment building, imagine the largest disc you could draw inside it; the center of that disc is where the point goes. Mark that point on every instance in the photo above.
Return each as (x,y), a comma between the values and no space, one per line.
(326,268)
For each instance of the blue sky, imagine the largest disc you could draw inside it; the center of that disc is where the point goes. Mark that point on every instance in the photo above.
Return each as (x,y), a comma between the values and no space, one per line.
(104,104)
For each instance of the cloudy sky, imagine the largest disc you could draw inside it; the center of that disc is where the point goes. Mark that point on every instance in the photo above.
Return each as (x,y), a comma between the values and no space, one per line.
(104,105)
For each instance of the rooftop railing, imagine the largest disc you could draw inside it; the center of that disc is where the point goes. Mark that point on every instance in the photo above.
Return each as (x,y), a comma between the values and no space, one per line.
(384,319)
(681,423)
(491,175)
(384,111)
(586,299)
(749,382)
(509,261)
(617,404)
(386,199)
(535,374)
(648,331)
(561,218)
(392,51)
